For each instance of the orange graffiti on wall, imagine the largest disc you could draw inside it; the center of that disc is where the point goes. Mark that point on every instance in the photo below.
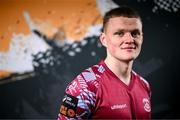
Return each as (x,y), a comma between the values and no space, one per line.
(72,17)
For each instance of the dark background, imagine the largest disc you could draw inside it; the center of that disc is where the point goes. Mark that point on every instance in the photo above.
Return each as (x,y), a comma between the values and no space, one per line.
(40,96)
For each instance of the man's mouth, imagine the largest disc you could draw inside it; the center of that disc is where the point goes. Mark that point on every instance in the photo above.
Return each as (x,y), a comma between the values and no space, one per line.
(128,48)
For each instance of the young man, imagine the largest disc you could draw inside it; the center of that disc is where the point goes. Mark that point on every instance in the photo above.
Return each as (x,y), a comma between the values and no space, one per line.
(111,89)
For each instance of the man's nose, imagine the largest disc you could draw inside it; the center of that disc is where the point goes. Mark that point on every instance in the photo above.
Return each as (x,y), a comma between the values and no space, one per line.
(128,38)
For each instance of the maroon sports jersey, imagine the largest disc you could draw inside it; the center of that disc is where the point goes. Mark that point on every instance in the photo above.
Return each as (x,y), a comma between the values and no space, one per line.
(97,93)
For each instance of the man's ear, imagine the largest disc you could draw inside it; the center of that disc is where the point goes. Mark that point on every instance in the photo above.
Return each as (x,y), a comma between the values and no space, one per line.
(103,39)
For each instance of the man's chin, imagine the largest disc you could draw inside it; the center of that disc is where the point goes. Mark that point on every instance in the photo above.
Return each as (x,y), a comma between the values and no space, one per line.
(129,59)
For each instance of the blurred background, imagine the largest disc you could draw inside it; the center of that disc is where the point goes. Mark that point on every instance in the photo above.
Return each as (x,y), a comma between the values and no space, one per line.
(44,44)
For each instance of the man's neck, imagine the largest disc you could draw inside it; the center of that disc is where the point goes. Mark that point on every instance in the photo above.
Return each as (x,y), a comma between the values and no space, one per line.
(122,69)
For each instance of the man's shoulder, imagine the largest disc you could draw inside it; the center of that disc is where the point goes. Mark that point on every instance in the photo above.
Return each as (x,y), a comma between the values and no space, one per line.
(142,80)
(87,80)
(93,73)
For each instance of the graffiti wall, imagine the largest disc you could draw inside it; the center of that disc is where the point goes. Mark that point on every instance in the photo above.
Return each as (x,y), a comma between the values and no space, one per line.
(44,44)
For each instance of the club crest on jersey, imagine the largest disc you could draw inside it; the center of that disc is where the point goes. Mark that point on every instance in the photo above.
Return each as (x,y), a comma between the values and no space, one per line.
(69,105)
(147,106)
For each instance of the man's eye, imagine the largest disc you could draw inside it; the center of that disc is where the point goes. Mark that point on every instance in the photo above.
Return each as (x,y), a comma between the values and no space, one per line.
(135,34)
(119,33)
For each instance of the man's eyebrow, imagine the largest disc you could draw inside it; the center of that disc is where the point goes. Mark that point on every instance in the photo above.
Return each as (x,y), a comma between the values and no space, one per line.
(136,29)
(124,30)
(120,30)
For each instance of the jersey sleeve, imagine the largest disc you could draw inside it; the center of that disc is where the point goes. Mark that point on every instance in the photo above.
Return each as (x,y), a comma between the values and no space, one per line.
(78,100)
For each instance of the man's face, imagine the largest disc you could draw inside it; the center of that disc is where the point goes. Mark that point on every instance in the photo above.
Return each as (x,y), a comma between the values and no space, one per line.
(123,38)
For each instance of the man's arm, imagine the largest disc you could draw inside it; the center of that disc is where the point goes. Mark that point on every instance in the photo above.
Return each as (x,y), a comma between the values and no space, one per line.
(78,100)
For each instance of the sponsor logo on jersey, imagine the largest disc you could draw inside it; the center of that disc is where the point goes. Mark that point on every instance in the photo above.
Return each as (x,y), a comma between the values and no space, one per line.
(119,106)
(147,106)
(69,105)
